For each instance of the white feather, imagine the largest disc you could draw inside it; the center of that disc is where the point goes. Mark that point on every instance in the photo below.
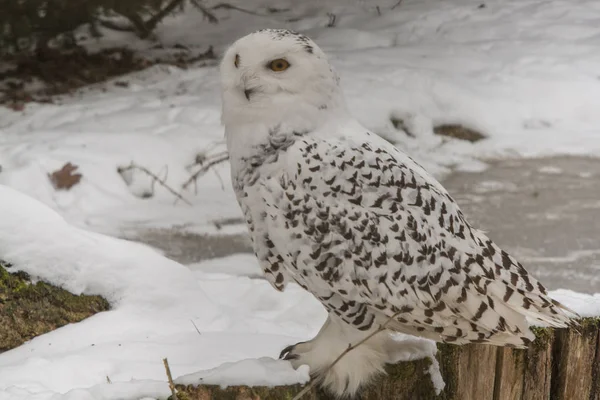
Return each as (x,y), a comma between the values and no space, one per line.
(358,223)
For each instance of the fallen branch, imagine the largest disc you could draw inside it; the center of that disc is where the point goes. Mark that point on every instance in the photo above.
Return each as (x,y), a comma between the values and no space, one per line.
(144,28)
(115,26)
(212,18)
(206,166)
(155,178)
(228,6)
(197,330)
(332,20)
(201,157)
(219,224)
(170,378)
(154,20)
(351,347)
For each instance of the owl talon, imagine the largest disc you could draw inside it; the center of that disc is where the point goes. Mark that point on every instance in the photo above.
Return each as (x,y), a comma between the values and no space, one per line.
(285,352)
(290,357)
(288,352)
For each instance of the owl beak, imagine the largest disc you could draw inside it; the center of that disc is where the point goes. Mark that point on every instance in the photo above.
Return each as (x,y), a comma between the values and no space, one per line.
(248,93)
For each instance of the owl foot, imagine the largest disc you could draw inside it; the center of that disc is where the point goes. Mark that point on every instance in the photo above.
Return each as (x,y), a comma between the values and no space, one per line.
(353,370)
(293,352)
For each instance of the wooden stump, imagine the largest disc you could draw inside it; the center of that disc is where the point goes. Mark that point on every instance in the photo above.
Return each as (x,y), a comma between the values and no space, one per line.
(560,364)
(468,371)
(576,362)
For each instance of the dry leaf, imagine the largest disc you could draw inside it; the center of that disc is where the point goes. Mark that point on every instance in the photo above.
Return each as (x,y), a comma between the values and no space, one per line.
(66,177)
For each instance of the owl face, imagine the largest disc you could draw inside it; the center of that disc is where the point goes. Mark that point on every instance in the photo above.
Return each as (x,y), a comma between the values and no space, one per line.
(275,70)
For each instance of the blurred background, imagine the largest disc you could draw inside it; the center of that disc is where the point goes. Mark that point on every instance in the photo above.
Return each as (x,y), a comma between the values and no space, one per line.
(110,113)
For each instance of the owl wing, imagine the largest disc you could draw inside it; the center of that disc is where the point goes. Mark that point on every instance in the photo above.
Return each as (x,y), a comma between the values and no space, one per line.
(372,235)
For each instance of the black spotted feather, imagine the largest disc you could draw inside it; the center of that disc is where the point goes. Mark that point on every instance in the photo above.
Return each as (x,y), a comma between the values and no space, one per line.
(368,232)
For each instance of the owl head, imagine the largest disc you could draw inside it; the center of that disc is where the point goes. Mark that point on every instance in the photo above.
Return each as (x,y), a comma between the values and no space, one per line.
(276,73)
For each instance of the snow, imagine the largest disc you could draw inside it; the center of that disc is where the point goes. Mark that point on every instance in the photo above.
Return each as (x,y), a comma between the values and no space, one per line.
(227,326)
(253,372)
(414,348)
(585,305)
(159,309)
(523,72)
(236,264)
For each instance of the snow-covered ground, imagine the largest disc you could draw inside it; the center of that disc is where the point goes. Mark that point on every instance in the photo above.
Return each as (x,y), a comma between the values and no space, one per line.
(523,72)
(160,309)
(214,327)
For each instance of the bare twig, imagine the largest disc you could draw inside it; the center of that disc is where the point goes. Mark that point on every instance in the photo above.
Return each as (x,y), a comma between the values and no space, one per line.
(219,224)
(202,157)
(350,347)
(139,24)
(120,170)
(171,384)
(152,22)
(205,167)
(212,18)
(227,6)
(218,175)
(197,330)
(397,4)
(115,26)
(332,20)
(164,179)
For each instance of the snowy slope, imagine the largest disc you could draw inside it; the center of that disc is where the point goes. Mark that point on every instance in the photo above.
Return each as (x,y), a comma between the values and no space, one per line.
(158,307)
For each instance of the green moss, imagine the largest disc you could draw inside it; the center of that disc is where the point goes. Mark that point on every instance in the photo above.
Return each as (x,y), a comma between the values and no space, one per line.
(448,357)
(412,379)
(180,396)
(212,392)
(12,282)
(543,337)
(31,309)
(589,323)
(519,356)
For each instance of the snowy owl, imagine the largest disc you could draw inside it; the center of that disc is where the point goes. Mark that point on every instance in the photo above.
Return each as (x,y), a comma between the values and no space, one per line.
(358,223)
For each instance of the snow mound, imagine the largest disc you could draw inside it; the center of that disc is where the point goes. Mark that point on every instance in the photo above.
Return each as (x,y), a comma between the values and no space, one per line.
(586,305)
(198,320)
(253,372)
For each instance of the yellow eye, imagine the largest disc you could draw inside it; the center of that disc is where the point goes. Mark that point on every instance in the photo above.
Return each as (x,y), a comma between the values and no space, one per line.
(236,62)
(279,65)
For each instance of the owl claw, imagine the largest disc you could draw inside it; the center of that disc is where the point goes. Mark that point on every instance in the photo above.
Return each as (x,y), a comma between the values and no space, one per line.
(286,352)
(290,357)
(289,354)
